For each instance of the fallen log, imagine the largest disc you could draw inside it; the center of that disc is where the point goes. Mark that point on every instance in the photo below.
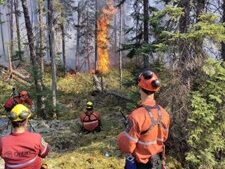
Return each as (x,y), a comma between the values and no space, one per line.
(21,80)
(116,94)
(24,77)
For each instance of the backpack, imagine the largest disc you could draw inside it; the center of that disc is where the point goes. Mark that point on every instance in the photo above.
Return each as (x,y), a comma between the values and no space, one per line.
(10,103)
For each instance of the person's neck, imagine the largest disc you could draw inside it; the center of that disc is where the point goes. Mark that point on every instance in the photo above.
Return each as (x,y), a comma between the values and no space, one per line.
(19,130)
(145,97)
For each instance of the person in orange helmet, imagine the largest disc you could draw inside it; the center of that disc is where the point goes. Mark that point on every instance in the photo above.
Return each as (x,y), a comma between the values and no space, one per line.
(90,120)
(21,98)
(147,130)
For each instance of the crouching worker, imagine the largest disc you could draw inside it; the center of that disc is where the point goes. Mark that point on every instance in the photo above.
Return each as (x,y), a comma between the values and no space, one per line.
(21,98)
(90,120)
(22,149)
(147,128)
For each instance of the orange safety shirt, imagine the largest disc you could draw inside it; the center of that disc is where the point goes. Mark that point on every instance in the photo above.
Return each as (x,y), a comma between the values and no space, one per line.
(143,146)
(90,122)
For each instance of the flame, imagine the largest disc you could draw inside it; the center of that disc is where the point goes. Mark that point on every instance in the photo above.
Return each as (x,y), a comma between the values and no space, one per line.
(102,37)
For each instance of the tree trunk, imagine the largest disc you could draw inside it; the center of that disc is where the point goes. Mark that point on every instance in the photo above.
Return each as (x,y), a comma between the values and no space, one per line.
(183,27)
(115,36)
(63,45)
(223,44)
(87,44)
(78,38)
(120,46)
(2,35)
(18,29)
(34,59)
(96,33)
(41,39)
(41,49)
(200,5)
(184,20)
(11,28)
(146,31)
(52,54)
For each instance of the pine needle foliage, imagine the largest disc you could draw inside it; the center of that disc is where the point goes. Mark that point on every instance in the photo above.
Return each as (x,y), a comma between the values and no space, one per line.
(206,138)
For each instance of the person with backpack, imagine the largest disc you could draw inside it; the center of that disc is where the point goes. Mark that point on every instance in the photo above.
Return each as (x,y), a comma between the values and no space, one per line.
(21,98)
(22,149)
(147,129)
(90,119)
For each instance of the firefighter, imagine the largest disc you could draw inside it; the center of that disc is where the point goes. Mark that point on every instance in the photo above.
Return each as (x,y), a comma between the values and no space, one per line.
(147,130)
(90,120)
(22,149)
(21,98)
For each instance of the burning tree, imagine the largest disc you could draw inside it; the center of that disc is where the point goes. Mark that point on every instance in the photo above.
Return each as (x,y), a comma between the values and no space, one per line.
(102,36)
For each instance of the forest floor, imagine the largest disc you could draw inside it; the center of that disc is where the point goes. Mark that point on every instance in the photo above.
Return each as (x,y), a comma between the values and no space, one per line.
(70,148)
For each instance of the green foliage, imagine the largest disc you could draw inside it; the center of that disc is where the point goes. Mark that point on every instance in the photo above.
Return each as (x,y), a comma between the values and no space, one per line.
(207,120)
(5,93)
(206,28)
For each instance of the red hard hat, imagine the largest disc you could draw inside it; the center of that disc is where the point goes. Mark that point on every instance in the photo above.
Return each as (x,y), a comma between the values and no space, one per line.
(23,93)
(149,81)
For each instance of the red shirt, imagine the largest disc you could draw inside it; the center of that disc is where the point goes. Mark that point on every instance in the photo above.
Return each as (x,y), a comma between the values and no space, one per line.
(11,102)
(23,150)
(28,101)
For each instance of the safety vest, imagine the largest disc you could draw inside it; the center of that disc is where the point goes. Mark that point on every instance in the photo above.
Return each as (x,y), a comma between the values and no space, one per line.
(146,132)
(90,122)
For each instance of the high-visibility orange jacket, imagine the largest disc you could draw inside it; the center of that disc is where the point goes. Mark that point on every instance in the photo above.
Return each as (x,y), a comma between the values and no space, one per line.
(146,132)
(90,122)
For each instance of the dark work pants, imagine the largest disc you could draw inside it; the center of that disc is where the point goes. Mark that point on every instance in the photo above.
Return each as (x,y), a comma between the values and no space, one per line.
(154,163)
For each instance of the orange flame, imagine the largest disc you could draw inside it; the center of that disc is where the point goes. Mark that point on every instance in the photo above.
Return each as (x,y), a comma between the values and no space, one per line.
(102,37)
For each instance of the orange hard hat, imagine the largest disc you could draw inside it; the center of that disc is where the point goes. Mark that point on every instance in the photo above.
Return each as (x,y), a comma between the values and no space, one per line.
(149,81)
(23,93)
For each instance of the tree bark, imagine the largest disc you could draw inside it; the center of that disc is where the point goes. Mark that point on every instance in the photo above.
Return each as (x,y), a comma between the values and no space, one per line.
(146,31)
(34,59)
(41,39)
(18,29)
(183,27)
(2,35)
(223,44)
(120,46)
(200,6)
(63,45)
(96,33)
(115,36)
(11,28)
(198,44)
(184,20)
(52,53)
(78,38)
